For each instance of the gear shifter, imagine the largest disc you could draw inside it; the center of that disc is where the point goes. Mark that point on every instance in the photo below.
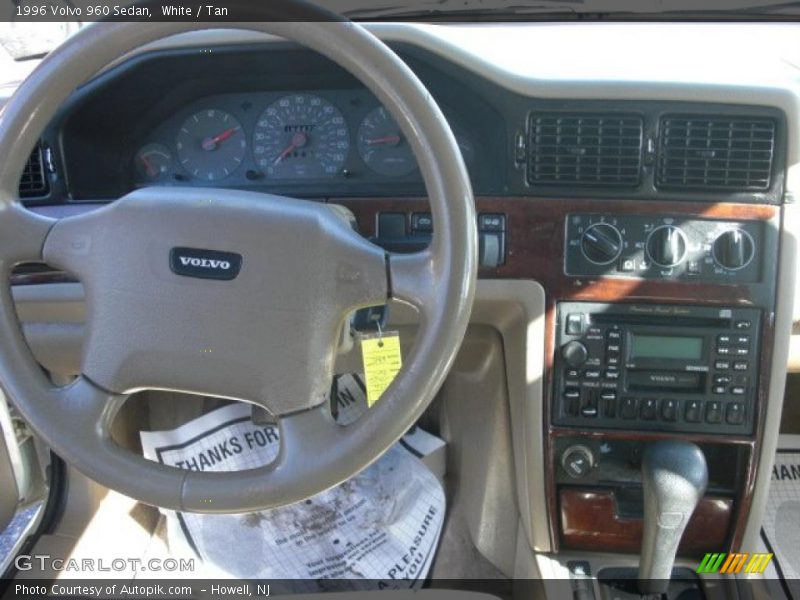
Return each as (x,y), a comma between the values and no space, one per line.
(674,476)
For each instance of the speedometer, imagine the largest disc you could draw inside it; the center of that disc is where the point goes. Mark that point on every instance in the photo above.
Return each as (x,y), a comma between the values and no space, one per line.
(301,136)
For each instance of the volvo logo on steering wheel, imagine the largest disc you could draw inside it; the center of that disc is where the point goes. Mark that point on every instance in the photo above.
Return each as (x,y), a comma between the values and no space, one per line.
(205,264)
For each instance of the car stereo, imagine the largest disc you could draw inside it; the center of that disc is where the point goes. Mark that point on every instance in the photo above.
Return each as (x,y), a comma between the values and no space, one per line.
(656,367)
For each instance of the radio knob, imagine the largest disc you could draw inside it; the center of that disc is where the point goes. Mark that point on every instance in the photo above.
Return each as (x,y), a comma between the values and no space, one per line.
(734,249)
(575,353)
(666,246)
(601,243)
(577,461)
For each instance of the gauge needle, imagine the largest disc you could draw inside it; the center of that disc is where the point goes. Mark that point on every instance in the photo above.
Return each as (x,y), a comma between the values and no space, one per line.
(387,139)
(151,171)
(298,140)
(210,143)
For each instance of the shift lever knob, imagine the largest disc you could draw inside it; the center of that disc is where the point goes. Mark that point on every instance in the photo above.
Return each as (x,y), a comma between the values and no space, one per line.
(674,476)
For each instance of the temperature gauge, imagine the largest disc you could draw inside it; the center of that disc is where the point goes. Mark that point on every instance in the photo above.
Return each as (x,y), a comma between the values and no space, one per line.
(153,162)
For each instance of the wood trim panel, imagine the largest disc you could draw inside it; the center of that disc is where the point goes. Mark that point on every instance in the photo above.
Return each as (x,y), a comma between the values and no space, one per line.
(589,519)
(535,235)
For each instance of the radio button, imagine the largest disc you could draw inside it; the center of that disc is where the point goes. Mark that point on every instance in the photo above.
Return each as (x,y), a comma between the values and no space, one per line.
(572,374)
(738,390)
(720,389)
(669,409)
(742,340)
(591,374)
(572,393)
(589,408)
(722,365)
(693,411)
(723,338)
(613,360)
(648,409)
(613,348)
(614,335)
(741,351)
(722,379)
(612,374)
(740,365)
(574,324)
(735,413)
(723,350)
(628,408)
(744,324)
(714,412)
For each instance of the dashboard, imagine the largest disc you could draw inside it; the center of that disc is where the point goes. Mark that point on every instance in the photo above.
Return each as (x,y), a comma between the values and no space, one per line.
(647,195)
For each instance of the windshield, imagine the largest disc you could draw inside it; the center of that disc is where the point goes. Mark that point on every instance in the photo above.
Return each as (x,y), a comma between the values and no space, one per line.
(25,34)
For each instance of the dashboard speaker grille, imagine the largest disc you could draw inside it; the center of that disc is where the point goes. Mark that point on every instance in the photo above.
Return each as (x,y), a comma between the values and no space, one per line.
(725,153)
(580,149)
(33,182)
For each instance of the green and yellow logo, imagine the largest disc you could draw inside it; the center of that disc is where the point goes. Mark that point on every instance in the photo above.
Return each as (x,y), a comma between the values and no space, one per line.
(734,563)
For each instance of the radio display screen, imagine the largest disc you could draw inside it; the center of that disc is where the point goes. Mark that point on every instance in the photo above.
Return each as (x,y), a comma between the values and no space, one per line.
(666,346)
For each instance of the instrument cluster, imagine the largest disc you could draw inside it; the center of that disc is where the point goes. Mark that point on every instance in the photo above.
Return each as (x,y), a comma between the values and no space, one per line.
(245,139)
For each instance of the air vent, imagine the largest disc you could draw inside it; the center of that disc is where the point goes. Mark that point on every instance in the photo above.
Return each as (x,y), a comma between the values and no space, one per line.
(724,153)
(574,149)
(33,182)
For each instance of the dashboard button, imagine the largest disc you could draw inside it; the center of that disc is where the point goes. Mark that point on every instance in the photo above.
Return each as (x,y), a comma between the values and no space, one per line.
(612,375)
(592,374)
(740,365)
(693,411)
(720,389)
(742,340)
(669,409)
(572,373)
(723,338)
(491,222)
(735,413)
(738,390)
(743,324)
(574,324)
(421,222)
(723,350)
(741,351)
(648,409)
(572,393)
(722,379)
(722,365)
(614,335)
(714,412)
(628,408)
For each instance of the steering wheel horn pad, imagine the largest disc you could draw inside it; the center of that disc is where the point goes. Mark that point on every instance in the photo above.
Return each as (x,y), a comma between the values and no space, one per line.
(267,334)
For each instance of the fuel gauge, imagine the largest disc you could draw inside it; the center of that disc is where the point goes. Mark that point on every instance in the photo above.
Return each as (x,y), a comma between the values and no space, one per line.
(153,162)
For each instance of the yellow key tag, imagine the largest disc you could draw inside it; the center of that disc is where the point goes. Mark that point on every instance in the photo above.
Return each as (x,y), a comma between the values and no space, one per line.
(380,354)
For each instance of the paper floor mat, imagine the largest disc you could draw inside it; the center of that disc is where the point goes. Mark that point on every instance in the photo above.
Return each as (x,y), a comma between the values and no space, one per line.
(384,524)
(781,527)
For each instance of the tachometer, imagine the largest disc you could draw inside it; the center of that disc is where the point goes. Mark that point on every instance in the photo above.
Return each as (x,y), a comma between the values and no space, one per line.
(382,145)
(211,144)
(301,136)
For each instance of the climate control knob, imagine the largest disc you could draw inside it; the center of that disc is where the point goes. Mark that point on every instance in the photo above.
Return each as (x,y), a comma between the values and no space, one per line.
(734,249)
(575,353)
(666,246)
(601,243)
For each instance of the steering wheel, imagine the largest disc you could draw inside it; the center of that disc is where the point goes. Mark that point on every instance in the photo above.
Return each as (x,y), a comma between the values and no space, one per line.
(261,323)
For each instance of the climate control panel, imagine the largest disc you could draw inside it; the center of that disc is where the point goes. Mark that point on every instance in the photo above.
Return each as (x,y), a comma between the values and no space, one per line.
(664,247)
